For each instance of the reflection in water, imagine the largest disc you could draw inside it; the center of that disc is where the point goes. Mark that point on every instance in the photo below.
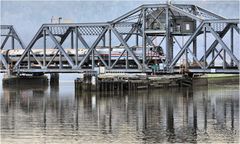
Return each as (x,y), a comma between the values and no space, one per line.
(46,115)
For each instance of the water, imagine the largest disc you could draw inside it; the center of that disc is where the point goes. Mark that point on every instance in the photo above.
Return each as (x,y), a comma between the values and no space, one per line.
(42,114)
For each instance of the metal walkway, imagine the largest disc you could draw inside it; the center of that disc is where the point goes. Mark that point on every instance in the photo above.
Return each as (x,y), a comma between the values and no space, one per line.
(192,38)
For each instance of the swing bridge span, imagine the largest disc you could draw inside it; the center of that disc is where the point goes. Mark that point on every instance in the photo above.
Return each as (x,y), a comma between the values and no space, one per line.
(176,37)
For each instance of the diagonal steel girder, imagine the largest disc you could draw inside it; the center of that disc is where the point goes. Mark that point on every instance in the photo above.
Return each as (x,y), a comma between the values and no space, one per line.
(224,46)
(214,58)
(135,26)
(195,17)
(14,34)
(60,47)
(236,28)
(215,43)
(134,11)
(186,45)
(93,46)
(125,39)
(6,39)
(81,39)
(127,48)
(28,48)
(4,61)
(63,38)
(189,50)
(18,38)
(149,41)
(87,46)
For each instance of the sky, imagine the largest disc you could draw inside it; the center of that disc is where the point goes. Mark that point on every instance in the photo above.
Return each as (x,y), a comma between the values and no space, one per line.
(28,16)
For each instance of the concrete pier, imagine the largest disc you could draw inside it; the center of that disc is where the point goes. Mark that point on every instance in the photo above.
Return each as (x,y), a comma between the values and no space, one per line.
(11,80)
(54,79)
(122,82)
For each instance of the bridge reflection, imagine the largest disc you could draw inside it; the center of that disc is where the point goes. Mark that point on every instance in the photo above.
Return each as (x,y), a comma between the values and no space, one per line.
(170,115)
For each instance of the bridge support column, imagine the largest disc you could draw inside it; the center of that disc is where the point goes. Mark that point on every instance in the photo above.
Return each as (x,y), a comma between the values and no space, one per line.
(54,79)
(169,40)
(87,83)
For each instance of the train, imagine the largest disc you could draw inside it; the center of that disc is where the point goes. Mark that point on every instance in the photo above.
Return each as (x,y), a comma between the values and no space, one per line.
(153,54)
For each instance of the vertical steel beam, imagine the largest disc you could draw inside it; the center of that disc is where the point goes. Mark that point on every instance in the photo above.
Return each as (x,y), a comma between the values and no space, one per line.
(186,57)
(169,38)
(213,55)
(205,46)
(29,62)
(127,63)
(104,41)
(44,48)
(137,43)
(231,43)
(195,39)
(224,59)
(13,41)
(144,39)
(195,47)
(167,34)
(76,47)
(60,60)
(93,64)
(72,41)
(170,46)
(110,47)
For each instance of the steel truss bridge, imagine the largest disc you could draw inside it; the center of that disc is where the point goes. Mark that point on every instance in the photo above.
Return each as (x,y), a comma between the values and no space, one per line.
(189,35)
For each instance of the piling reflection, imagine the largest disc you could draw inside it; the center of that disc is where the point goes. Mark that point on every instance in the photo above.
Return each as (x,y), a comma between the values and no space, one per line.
(203,114)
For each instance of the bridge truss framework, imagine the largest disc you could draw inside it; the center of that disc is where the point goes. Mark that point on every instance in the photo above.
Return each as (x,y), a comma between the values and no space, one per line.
(132,27)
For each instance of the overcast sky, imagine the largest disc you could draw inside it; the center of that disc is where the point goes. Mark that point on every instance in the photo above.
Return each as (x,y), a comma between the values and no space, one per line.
(28,16)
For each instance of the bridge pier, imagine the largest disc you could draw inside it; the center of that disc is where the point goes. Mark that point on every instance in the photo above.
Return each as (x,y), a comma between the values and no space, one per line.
(86,83)
(15,80)
(54,79)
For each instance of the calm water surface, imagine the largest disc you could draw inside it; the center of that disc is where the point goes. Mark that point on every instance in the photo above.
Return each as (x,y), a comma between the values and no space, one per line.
(45,114)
